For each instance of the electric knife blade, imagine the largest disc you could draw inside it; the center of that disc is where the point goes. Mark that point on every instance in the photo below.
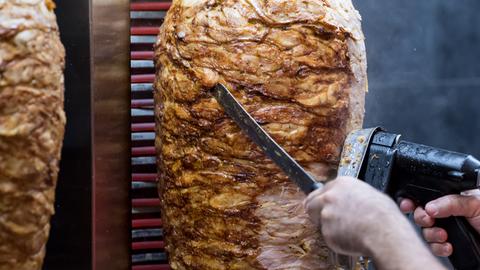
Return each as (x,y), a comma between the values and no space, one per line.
(260,137)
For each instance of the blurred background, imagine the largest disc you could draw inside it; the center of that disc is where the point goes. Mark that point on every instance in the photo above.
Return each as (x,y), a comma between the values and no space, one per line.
(424,71)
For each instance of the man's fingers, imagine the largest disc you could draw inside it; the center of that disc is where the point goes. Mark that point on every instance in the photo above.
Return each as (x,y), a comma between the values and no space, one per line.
(435,235)
(314,208)
(319,192)
(312,196)
(407,206)
(442,250)
(454,205)
(422,218)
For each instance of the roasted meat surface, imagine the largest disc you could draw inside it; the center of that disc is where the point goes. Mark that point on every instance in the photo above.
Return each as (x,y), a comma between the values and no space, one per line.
(31,129)
(299,68)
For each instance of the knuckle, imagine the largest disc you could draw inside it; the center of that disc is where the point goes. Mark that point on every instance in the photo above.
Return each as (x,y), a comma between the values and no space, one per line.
(329,197)
(473,204)
(434,235)
(419,211)
(421,218)
(437,249)
(441,250)
(449,200)
(450,203)
(429,235)
(438,253)
(326,215)
(407,205)
(417,218)
(448,249)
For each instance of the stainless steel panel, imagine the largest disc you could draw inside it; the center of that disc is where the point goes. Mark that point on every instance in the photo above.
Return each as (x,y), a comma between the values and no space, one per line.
(110,29)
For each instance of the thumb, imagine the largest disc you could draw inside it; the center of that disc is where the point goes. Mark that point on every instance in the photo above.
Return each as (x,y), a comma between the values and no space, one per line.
(454,205)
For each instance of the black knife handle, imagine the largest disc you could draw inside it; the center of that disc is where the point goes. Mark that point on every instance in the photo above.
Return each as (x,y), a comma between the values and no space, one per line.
(465,241)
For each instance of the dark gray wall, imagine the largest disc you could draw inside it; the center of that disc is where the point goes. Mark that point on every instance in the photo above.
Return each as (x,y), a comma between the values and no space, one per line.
(423,70)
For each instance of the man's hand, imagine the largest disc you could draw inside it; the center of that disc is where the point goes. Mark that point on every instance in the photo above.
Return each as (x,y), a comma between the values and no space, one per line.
(355,219)
(352,215)
(467,205)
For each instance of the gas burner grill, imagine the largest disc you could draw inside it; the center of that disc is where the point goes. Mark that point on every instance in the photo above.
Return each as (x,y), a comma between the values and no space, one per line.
(147,234)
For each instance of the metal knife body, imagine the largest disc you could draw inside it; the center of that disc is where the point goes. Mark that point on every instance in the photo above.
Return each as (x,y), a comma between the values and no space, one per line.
(260,137)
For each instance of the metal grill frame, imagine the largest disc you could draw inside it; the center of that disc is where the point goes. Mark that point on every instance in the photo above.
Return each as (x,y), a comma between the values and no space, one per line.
(148,251)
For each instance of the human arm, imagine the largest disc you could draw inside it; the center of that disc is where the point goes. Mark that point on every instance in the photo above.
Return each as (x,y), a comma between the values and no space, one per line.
(355,219)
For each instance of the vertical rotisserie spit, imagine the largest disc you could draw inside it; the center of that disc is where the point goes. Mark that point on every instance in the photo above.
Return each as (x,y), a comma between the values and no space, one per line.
(31,128)
(299,68)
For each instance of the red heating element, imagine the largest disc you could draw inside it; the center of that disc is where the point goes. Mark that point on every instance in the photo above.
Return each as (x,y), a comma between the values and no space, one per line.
(148,251)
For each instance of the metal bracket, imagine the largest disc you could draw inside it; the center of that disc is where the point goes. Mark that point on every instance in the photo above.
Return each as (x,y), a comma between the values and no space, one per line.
(354,151)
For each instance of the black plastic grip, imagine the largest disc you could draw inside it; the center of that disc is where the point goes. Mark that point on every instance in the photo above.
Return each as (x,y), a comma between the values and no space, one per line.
(464,238)
(465,241)
(424,173)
